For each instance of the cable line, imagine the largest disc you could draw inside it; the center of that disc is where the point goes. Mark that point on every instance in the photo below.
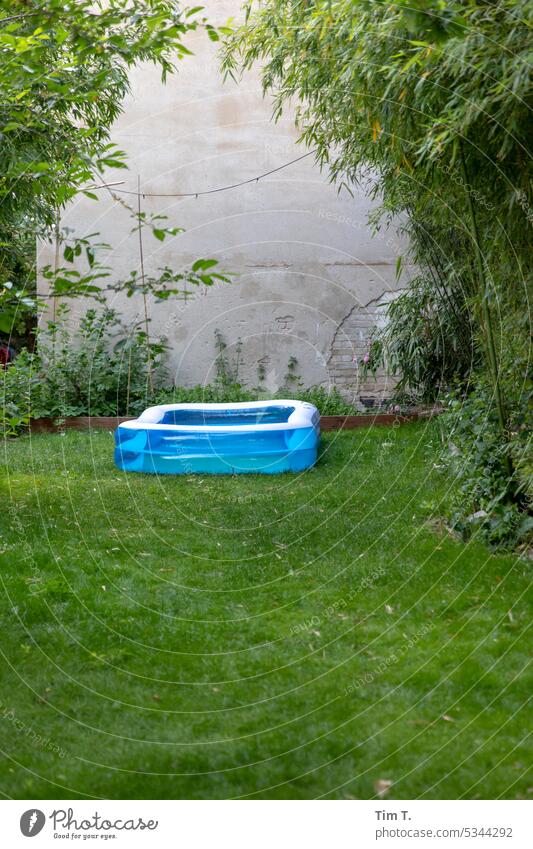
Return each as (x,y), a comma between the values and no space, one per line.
(207,191)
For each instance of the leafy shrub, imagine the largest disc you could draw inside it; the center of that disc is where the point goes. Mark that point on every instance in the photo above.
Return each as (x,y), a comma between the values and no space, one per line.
(19,393)
(328,403)
(100,370)
(208,393)
(427,341)
(492,499)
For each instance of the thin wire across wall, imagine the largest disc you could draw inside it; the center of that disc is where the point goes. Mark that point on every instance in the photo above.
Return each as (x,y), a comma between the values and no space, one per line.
(207,191)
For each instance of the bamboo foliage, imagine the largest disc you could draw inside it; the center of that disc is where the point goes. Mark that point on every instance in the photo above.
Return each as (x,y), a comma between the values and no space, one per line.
(428,106)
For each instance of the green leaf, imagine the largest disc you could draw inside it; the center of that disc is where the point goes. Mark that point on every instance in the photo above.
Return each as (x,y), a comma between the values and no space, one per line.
(204,264)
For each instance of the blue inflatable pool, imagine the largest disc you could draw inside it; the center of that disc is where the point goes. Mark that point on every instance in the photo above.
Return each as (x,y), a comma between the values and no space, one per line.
(257,436)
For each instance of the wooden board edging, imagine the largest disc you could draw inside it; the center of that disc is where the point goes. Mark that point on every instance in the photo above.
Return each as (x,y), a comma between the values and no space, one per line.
(49,425)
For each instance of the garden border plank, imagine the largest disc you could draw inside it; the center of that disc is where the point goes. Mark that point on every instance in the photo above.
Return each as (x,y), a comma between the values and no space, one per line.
(49,425)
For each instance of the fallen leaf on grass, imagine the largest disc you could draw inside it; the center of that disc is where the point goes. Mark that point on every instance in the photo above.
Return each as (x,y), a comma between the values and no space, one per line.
(382,786)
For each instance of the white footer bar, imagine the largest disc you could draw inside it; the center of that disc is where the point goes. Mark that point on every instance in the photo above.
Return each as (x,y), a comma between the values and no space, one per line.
(267,824)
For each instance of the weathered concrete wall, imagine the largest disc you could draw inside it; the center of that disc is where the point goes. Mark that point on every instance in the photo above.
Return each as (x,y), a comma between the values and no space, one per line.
(308,274)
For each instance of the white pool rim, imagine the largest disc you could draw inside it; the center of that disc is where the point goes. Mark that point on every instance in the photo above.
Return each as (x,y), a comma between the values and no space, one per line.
(304,415)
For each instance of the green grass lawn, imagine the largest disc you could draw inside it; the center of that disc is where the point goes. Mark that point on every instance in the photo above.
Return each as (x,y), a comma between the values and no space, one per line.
(262,637)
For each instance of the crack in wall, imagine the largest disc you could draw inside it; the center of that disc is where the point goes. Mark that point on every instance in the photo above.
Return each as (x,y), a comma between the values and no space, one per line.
(348,346)
(356,306)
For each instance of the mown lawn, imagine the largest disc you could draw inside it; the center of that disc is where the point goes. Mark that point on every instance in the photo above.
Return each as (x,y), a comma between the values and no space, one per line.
(264,637)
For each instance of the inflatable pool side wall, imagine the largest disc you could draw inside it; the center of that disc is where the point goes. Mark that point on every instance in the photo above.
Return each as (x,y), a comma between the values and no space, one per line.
(251,445)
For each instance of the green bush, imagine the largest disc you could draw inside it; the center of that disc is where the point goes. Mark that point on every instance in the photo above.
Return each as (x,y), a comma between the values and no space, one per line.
(209,393)
(21,385)
(329,403)
(100,370)
(492,472)
(427,341)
